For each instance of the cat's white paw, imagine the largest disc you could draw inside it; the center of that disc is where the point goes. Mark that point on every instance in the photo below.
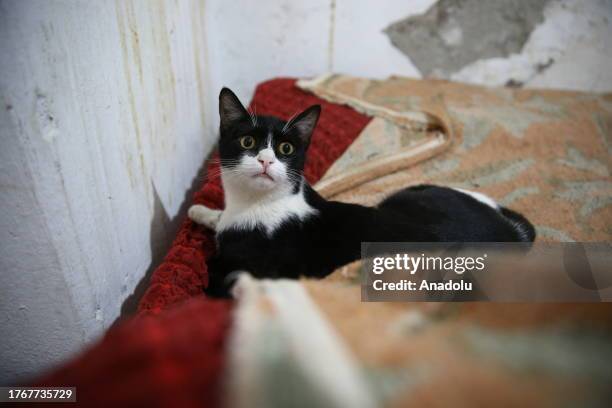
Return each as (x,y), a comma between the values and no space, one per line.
(204,216)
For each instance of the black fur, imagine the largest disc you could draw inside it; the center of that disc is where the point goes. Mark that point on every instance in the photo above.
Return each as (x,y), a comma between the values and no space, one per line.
(320,243)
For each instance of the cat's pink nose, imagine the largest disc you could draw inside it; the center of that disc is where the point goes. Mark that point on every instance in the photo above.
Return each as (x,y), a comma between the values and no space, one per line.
(265,163)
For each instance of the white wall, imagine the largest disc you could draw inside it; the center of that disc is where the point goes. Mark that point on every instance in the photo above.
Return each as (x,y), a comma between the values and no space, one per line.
(360,47)
(253,41)
(103,110)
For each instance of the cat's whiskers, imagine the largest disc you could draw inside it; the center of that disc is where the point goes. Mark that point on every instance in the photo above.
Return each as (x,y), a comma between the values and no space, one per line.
(226,172)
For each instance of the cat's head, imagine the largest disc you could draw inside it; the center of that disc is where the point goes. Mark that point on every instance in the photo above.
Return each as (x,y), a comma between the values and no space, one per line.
(263,153)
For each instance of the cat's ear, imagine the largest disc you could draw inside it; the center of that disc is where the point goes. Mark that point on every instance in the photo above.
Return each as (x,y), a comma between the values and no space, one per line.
(230,109)
(305,122)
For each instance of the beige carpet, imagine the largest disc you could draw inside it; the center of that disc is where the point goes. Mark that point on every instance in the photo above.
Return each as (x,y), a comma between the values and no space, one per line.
(546,154)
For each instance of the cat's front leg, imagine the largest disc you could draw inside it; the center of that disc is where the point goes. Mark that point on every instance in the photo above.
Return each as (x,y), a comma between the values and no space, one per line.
(205,216)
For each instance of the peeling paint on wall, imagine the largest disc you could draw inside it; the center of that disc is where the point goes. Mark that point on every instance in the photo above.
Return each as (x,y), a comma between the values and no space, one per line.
(455,33)
(546,44)
(45,119)
(569,50)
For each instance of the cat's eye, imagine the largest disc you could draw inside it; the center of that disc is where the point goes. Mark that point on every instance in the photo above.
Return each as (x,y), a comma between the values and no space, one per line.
(247,142)
(285,148)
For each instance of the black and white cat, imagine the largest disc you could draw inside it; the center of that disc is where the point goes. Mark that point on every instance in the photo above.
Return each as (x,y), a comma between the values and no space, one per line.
(275,225)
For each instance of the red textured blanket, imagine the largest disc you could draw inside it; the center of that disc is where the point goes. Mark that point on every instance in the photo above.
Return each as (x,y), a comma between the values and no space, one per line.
(172,353)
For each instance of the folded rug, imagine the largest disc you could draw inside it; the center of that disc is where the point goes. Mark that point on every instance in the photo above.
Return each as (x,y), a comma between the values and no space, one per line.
(544,153)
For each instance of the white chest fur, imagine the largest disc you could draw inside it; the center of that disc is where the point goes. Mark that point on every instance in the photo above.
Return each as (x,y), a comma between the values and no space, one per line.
(247,210)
